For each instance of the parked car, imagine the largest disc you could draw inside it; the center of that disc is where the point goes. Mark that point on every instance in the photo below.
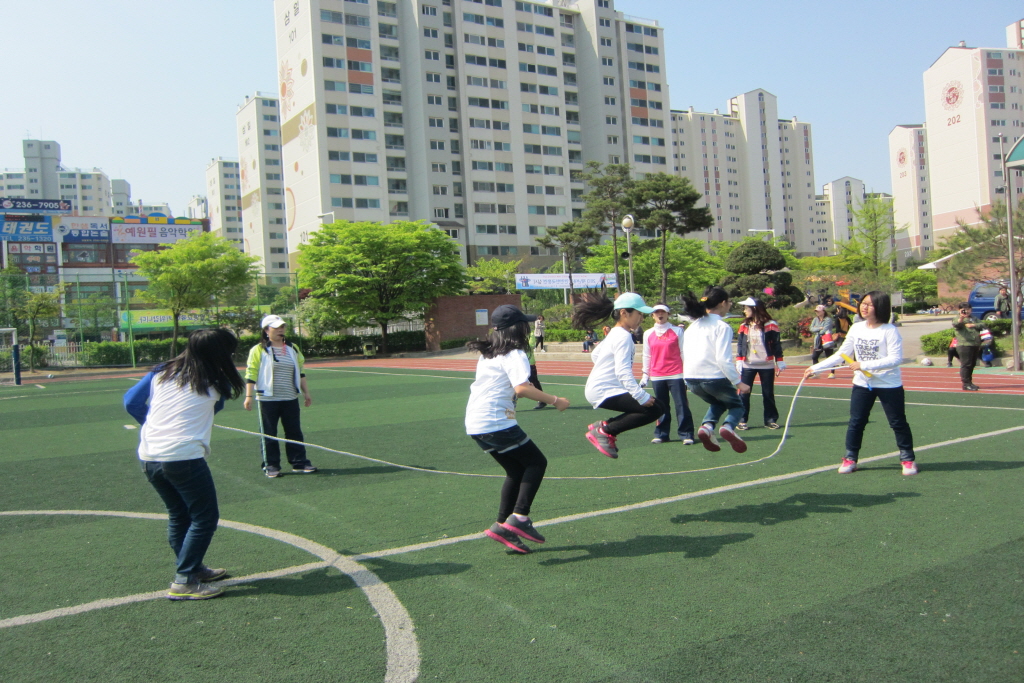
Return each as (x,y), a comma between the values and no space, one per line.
(983,298)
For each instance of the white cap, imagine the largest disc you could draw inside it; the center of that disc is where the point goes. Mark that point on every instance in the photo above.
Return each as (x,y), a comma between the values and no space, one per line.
(272,321)
(661,307)
(749,301)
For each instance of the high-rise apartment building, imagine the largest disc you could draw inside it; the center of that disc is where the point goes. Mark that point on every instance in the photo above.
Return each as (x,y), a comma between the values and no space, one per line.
(755,170)
(840,200)
(974,110)
(262,185)
(223,190)
(908,154)
(120,197)
(475,115)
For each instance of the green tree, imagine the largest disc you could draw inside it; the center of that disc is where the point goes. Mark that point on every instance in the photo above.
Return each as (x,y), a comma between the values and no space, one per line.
(608,188)
(668,203)
(319,317)
(872,238)
(573,239)
(93,313)
(917,285)
(36,307)
(13,291)
(192,272)
(493,276)
(690,266)
(378,273)
(980,250)
(755,267)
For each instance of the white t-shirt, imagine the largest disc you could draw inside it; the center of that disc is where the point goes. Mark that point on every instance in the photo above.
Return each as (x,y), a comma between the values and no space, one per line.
(178,424)
(879,351)
(707,348)
(612,374)
(492,397)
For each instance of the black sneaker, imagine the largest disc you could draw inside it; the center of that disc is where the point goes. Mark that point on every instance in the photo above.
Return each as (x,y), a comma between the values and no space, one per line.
(301,469)
(272,472)
(540,405)
(523,528)
(507,537)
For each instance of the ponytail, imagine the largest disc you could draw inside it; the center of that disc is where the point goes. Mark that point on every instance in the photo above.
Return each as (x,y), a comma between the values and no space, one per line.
(592,309)
(698,308)
(503,341)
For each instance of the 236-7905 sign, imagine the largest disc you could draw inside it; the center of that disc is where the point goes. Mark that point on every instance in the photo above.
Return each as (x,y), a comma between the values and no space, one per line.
(19,204)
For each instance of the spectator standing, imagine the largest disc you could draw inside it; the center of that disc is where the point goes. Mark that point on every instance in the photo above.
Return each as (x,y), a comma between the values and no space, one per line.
(968,344)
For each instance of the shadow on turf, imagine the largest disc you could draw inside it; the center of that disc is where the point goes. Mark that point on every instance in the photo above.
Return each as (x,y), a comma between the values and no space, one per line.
(691,546)
(960,466)
(326,581)
(799,506)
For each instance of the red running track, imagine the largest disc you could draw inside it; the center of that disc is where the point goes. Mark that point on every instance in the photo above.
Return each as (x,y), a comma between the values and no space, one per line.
(914,378)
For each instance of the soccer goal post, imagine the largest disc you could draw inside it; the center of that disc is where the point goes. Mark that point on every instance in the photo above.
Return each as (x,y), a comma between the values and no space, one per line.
(10,355)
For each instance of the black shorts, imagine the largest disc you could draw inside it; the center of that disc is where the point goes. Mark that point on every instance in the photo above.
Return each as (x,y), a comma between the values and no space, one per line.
(502,440)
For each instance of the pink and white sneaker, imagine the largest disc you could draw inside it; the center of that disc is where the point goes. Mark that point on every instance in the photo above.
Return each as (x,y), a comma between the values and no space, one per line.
(848,466)
(706,435)
(738,444)
(909,468)
(602,440)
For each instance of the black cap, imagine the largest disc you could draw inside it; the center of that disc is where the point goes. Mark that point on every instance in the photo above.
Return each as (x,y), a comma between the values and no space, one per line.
(508,315)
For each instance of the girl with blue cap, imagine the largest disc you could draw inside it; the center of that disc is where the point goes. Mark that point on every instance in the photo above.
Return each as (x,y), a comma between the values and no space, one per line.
(611,384)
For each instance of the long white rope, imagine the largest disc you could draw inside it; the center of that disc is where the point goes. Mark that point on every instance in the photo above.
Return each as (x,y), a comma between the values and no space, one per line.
(785,433)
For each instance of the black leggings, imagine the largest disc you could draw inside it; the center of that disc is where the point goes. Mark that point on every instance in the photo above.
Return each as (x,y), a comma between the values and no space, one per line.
(633,414)
(524,470)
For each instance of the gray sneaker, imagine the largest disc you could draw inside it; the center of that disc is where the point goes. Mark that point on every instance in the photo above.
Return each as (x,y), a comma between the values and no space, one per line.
(193,591)
(206,575)
(523,528)
(506,537)
(602,440)
(272,472)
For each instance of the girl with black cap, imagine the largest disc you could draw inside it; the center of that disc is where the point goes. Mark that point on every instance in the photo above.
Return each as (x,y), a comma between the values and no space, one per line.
(502,376)
(611,384)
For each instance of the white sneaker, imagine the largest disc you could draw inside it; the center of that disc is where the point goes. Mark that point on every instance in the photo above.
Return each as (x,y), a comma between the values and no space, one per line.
(687,442)
(738,444)
(656,440)
(909,468)
(707,437)
(848,466)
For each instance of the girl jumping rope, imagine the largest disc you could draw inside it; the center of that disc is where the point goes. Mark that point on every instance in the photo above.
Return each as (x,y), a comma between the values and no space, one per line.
(175,404)
(611,384)
(876,348)
(502,376)
(709,371)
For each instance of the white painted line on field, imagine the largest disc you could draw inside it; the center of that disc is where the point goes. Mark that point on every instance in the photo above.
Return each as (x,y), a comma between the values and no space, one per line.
(40,386)
(403,658)
(674,499)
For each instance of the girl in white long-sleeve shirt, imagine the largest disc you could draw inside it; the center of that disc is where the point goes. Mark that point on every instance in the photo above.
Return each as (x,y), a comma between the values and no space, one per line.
(877,350)
(710,371)
(611,384)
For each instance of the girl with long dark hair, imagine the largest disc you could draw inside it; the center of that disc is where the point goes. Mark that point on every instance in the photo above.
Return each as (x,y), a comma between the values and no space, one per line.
(175,404)
(877,349)
(274,375)
(759,354)
(611,384)
(502,376)
(709,371)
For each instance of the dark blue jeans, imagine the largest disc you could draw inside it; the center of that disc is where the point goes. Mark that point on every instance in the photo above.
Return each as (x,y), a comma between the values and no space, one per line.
(767,375)
(684,419)
(288,413)
(893,403)
(721,397)
(186,487)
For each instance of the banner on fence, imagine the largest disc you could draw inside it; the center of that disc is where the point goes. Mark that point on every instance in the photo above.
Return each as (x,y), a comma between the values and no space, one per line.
(161,319)
(561,280)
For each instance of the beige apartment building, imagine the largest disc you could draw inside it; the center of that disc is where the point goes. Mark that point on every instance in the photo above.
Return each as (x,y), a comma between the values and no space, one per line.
(223,194)
(262,185)
(476,116)
(756,171)
(974,111)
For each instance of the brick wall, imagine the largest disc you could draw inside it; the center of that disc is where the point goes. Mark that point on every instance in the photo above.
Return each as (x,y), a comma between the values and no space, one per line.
(454,317)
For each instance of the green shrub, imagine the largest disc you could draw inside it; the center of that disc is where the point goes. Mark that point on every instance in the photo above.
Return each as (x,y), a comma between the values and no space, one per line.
(556,313)
(456,343)
(936,343)
(566,335)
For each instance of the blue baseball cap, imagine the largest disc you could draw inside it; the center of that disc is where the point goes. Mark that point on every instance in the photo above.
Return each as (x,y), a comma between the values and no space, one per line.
(631,300)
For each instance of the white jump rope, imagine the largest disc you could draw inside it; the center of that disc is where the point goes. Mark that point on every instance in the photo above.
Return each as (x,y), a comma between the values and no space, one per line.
(785,433)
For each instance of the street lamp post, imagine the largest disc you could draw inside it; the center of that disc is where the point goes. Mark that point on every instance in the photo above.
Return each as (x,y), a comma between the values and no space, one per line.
(627,227)
(325,215)
(1012,161)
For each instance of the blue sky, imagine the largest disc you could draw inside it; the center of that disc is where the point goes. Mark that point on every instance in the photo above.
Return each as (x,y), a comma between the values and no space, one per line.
(147,91)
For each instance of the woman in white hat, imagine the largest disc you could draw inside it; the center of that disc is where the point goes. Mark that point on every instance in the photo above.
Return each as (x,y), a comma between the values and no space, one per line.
(759,354)
(611,384)
(274,377)
(663,366)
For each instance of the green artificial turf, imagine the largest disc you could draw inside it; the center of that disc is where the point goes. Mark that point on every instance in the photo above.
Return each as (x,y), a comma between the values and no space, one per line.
(871,576)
